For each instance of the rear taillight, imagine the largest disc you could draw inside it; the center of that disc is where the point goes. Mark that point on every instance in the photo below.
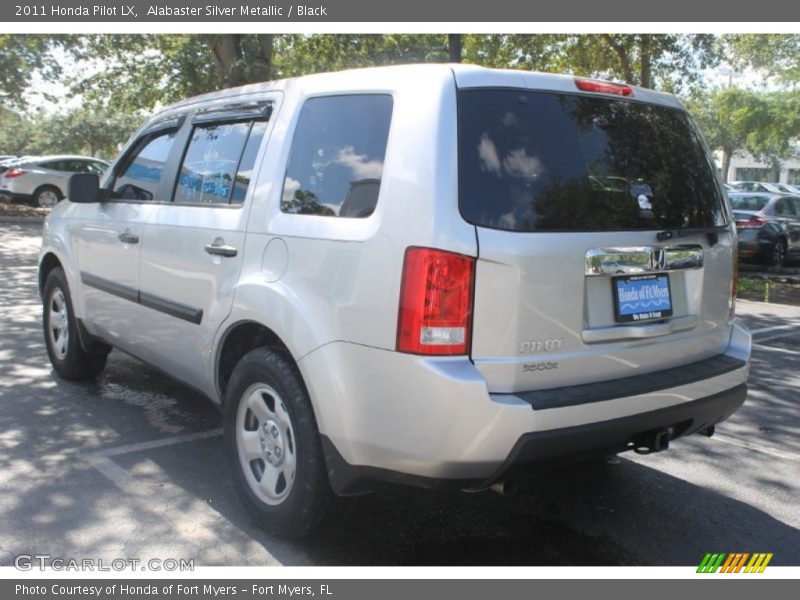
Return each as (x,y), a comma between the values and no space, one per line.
(751,223)
(603,87)
(15,172)
(435,315)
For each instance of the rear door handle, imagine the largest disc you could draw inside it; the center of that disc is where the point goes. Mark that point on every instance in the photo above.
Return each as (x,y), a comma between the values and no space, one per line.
(221,249)
(126,237)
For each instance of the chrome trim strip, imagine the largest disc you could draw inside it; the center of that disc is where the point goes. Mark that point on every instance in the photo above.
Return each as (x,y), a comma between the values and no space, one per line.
(634,260)
(639,331)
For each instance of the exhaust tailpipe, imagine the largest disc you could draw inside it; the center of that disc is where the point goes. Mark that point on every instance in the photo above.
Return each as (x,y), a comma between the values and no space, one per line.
(506,487)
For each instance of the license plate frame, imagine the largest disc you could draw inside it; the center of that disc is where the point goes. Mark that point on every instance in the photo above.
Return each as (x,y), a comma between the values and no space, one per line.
(640,298)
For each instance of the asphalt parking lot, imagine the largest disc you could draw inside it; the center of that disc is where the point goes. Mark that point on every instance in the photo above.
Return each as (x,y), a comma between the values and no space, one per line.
(132,466)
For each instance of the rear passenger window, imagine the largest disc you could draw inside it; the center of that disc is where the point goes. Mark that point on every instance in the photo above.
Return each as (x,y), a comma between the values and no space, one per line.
(142,176)
(210,165)
(336,161)
(784,207)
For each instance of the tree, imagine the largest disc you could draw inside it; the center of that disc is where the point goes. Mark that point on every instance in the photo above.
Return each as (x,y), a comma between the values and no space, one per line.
(20,57)
(454,47)
(17,132)
(90,131)
(670,62)
(714,113)
(775,54)
(763,124)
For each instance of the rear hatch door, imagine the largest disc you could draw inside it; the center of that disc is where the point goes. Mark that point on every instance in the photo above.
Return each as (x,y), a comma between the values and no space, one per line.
(605,248)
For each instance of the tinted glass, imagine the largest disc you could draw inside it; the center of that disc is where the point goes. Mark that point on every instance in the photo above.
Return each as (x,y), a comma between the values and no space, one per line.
(749,202)
(56,165)
(550,162)
(246,165)
(95,167)
(141,178)
(337,155)
(209,165)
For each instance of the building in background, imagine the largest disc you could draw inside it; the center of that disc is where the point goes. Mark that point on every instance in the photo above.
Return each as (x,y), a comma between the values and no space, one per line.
(746,167)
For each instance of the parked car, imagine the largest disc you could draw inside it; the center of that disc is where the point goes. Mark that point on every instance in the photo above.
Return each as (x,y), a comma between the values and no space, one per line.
(4,157)
(785,188)
(768,226)
(755,186)
(375,285)
(43,180)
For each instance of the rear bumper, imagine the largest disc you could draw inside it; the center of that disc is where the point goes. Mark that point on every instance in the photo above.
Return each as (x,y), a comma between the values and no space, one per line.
(619,435)
(546,449)
(393,417)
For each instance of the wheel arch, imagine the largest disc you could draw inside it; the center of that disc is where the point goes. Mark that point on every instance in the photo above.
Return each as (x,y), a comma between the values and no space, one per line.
(47,263)
(237,340)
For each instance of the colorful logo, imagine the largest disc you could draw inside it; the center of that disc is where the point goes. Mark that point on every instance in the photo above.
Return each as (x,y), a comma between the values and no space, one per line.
(735,562)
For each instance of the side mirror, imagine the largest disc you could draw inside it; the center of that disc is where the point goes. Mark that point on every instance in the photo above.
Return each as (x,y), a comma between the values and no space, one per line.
(84,188)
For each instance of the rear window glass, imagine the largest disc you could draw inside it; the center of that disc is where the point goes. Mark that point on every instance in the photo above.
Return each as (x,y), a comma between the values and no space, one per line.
(336,162)
(534,161)
(749,202)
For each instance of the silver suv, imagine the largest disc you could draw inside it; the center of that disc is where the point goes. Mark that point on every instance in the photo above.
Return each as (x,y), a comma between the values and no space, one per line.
(430,275)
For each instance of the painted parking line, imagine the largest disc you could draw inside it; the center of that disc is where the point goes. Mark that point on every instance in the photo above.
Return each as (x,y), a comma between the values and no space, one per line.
(159,443)
(777,349)
(774,452)
(777,336)
(773,328)
(189,517)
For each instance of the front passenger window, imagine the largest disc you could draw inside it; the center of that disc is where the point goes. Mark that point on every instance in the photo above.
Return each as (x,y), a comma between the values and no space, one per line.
(142,175)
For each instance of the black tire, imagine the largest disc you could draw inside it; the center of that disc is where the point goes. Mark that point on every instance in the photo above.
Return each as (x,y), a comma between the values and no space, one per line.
(67,356)
(308,494)
(47,191)
(777,257)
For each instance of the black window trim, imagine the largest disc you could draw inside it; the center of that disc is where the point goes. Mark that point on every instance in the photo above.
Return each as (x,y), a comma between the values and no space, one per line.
(171,122)
(258,110)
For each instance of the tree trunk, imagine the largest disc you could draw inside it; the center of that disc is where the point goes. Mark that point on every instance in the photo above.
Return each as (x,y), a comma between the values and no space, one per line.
(726,162)
(622,55)
(454,47)
(266,53)
(645,59)
(226,49)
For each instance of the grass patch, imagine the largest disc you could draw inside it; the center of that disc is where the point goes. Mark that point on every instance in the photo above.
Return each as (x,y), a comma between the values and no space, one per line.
(764,290)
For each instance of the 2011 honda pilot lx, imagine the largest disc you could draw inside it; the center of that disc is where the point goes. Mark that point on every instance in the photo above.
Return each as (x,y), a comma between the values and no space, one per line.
(434,275)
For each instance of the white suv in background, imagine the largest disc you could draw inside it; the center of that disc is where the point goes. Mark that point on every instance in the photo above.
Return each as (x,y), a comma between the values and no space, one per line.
(431,275)
(43,180)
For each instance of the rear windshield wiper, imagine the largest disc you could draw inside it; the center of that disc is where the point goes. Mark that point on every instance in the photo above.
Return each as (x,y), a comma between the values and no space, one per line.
(711,232)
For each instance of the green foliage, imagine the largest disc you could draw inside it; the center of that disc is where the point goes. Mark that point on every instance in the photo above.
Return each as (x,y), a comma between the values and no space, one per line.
(775,54)
(670,62)
(135,72)
(80,131)
(20,57)
(17,133)
(122,75)
(763,123)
